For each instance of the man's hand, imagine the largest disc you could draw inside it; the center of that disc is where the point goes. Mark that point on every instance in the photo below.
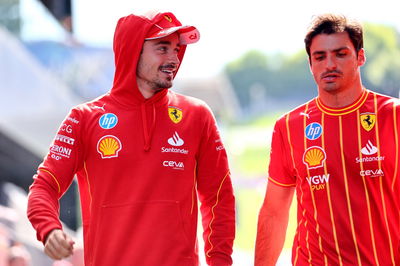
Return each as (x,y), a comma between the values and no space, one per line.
(58,245)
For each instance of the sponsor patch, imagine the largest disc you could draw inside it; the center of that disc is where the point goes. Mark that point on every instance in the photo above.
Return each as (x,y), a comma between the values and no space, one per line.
(73,120)
(61,151)
(313,131)
(174,165)
(372,173)
(174,150)
(109,146)
(175,114)
(318,182)
(65,139)
(108,121)
(369,149)
(66,128)
(175,140)
(314,157)
(368,120)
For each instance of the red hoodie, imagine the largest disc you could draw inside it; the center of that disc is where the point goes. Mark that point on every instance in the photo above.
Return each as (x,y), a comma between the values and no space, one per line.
(141,164)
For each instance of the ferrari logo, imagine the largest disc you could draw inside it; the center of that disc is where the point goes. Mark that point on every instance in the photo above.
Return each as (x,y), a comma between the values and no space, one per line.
(168,18)
(175,114)
(368,120)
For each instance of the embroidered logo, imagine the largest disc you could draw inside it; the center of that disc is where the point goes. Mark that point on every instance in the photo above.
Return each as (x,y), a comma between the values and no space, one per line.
(175,140)
(313,131)
(314,157)
(175,114)
(369,149)
(109,146)
(65,139)
(368,120)
(168,18)
(108,121)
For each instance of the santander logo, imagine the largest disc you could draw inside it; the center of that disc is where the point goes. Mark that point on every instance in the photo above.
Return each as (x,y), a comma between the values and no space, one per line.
(175,140)
(369,149)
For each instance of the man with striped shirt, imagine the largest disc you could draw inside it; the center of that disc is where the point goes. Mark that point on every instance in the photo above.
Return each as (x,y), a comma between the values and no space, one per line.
(340,153)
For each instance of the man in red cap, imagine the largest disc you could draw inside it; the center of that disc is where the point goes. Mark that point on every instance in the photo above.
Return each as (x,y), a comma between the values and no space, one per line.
(143,156)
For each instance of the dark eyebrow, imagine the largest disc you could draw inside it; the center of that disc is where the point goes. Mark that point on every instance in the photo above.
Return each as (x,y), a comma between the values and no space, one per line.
(162,42)
(165,43)
(335,51)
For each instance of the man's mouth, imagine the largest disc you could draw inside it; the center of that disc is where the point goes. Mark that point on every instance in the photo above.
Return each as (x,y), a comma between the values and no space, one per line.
(330,77)
(168,69)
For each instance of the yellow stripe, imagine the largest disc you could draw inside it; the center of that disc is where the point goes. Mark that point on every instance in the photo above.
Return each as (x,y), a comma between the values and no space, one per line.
(213,215)
(314,205)
(281,184)
(294,166)
(343,111)
(346,184)
(290,141)
(396,141)
(380,180)
(55,179)
(327,187)
(87,180)
(371,227)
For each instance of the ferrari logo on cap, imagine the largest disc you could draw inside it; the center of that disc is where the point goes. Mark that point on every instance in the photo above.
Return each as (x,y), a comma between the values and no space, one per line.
(367,120)
(175,114)
(168,18)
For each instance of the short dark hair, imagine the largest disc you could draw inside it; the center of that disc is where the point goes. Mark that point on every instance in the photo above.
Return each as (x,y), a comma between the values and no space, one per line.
(334,23)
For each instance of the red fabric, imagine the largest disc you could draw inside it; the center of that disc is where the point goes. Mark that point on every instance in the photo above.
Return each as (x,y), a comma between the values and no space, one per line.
(348,199)
(138,191)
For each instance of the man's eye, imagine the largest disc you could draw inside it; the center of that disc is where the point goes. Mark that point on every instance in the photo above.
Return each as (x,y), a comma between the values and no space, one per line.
(341,54)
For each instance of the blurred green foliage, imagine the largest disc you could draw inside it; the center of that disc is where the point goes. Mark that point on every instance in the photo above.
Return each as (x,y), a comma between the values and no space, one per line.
(288,76)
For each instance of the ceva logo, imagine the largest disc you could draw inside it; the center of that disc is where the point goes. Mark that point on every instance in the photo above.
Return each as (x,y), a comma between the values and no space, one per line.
(372,173)
(174,165)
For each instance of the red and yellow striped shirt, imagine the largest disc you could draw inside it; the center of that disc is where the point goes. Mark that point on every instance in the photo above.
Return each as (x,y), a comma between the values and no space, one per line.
(344,164)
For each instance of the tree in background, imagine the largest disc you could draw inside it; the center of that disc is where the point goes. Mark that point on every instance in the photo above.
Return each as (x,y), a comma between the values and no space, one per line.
(288,78)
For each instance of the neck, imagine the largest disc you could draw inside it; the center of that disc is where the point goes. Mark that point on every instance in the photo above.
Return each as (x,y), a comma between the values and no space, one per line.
(147,94)
(340,98)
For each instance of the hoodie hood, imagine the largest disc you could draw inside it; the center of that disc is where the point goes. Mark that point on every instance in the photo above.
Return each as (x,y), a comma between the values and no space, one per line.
(130,34)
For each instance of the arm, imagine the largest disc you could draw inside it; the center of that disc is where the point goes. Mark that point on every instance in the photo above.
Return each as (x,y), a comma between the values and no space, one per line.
(272,224)
(215,193)
(53,178)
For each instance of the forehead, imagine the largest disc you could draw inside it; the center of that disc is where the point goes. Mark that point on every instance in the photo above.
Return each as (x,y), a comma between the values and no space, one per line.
(330,42)
(172,39)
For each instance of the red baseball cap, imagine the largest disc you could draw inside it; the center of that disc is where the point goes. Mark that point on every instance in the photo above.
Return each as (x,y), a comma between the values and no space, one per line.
(167,25)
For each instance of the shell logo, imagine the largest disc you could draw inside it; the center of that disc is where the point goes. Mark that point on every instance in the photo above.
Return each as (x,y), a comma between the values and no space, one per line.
(314,157)
(109,146)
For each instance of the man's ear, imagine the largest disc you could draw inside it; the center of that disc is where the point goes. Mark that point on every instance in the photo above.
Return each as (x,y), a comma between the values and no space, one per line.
(361,58)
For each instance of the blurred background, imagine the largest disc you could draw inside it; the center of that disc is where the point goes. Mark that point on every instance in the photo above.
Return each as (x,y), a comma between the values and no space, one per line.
(250,67)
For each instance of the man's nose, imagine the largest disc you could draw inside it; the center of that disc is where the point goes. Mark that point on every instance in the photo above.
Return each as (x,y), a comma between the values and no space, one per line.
(331,63)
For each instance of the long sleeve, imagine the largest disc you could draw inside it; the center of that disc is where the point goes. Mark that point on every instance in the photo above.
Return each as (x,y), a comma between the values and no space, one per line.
(216,196)
(54,176)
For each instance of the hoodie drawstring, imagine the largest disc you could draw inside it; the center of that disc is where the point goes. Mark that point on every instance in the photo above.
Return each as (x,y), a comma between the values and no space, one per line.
(148,134)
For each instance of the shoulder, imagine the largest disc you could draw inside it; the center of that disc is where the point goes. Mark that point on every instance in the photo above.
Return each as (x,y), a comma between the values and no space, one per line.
(188,102)
(385,101)
(91,107)
(299,112)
